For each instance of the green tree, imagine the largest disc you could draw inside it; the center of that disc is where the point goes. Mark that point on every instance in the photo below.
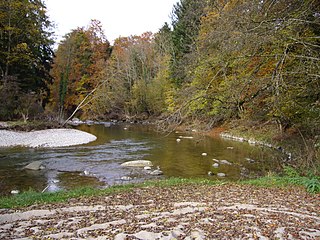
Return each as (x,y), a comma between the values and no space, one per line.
(25,45)
(186,19)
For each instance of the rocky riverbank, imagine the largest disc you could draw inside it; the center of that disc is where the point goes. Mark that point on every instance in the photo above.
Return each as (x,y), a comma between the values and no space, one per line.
(226,211)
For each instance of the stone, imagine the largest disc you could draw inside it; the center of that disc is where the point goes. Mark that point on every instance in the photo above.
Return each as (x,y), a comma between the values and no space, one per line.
(204,154)
(178,140)
(225,162)
(137,163)
(14,192)
(221,174)
(250,160)
(210,173)
(156,172)
(215,165)
(35,166)
(186,137)
(147,168)
(89,122)
(126,178)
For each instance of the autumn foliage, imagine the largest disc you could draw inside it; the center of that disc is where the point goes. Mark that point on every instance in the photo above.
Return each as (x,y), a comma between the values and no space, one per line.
(218,61)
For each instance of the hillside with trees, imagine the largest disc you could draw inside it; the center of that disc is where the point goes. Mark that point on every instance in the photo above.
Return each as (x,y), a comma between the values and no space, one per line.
(231,63)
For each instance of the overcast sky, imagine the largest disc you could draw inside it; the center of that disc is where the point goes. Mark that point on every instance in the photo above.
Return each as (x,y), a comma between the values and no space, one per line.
(119,17)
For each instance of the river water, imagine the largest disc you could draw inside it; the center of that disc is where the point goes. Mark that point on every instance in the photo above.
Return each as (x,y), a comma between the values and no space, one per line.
(99,163)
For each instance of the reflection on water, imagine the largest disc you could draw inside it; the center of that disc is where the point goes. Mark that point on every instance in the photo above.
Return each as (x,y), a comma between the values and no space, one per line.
(99,163)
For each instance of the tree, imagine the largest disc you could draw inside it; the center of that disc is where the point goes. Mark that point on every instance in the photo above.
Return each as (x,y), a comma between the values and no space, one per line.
(78,66)
(25,45)
(253,59)
(186,19)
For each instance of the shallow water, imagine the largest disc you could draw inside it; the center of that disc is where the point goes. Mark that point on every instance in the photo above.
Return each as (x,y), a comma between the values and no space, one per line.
(101,160)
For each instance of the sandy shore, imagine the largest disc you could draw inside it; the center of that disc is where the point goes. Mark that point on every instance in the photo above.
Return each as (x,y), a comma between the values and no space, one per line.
(45,138)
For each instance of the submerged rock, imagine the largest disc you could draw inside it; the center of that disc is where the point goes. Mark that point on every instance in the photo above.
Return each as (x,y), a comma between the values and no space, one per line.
(225,162)
(126,178)
(137,163)
(157,172)
(215,165)
(250,160)
(221,174)
(36,166)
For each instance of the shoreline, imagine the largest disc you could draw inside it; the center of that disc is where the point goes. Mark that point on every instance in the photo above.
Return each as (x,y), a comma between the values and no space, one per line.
(45,138)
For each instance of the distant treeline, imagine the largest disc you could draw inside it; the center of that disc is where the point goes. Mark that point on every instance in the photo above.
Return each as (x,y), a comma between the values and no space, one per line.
(216,61)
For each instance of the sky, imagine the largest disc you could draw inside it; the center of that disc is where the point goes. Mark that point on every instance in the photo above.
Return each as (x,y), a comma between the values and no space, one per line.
(118,17)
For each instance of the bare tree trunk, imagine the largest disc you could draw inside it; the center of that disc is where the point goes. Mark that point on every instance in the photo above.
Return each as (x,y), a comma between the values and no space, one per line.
(82,103)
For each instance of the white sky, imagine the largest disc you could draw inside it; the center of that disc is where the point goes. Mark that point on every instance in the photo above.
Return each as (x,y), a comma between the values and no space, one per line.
(119,17)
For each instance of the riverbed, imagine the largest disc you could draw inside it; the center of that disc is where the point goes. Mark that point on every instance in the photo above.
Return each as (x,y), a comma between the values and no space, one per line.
(179,154)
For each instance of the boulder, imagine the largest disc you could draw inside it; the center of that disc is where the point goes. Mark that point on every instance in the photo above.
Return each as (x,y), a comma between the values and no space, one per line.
(137,163)
(36,166)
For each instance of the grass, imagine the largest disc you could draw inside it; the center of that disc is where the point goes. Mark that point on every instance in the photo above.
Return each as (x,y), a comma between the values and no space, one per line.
(291,178)
(31,197)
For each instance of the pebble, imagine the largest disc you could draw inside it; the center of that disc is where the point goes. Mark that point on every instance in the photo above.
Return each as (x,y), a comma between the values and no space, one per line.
(225,162)
(250,160)
(156,173)
(204,154)
(221,174)
(126,178)
(215,165)
(15,192)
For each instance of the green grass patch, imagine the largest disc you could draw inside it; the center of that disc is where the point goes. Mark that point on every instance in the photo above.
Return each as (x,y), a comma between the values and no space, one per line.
(31,197)
(290,177)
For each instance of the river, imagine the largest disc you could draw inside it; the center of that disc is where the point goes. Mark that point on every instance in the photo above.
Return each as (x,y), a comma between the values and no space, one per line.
(99,163)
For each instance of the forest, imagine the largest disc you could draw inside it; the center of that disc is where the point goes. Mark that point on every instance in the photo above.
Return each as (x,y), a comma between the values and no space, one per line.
(252,65)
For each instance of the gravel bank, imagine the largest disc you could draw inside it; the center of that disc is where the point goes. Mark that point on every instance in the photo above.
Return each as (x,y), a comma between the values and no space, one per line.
(184,212)
(45,138)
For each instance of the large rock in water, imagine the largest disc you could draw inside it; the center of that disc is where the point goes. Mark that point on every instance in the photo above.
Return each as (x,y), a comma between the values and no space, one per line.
(137,163)
(36,165)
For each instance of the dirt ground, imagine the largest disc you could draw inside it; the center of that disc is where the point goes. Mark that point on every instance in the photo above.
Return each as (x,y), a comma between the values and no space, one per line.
(227,211)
